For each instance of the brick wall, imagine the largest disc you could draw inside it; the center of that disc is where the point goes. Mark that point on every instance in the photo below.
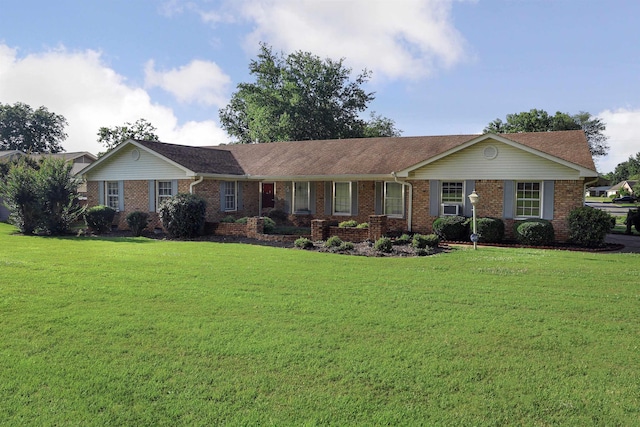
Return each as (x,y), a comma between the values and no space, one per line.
(321,230)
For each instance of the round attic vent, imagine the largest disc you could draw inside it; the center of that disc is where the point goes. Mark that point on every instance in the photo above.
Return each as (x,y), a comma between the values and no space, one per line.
(135,154)
(490,152)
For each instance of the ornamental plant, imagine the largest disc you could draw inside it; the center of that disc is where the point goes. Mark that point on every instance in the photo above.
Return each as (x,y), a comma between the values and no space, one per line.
(99,218)
(452,228)
(183,215)
(588,226)
(535,232)
(137,222)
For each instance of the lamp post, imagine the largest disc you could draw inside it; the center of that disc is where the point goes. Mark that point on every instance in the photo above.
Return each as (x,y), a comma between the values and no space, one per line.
(473,198)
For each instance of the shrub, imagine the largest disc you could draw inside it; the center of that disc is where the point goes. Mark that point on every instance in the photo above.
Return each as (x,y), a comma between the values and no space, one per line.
(402,240)
(536,232)
(99,218)
(229,219)
(346,246)
(303,243)
(589,226)
(453,228)
(279,216)
(242,220)
(333,242)
(20,191)
(424,251)
(363,225)
(268,225)
(137,222)
(383,244)
(183,215)
(490,230)
(425,241)
(348,224)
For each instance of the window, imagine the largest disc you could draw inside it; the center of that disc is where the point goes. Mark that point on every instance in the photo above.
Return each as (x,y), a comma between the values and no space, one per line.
(452,197)
(528,199)
(393,199)
(164,191)
(113,195)
(342,198)
(230,196)
(301,197)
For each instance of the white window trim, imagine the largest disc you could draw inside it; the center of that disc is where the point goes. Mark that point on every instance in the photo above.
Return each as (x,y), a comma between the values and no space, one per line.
(443,203)
(235,197)
(307,209)
(515,200)
(108,195)
(348,213)
(159,199)
(384,207)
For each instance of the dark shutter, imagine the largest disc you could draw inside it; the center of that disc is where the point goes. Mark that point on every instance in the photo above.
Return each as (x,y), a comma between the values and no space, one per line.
(101,200)
(354,198)
(239,202)
(312,197)
(121,196)
(379,198)
(434,197)
(548,199)
(328,197)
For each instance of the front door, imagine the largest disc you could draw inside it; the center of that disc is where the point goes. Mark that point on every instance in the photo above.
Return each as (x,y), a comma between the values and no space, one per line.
(268,195)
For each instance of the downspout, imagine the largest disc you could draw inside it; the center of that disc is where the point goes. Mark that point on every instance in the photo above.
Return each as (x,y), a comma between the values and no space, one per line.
(410,210)
(194,183)
(584,190)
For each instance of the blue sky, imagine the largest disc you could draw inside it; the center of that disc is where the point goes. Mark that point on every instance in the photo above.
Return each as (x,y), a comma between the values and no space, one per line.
(439,66)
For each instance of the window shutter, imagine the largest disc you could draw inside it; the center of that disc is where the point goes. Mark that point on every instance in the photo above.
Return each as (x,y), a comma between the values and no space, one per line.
(121,196)
(223,189)
(548,199)
(378,198)
(328,197)
(312,197)
(152,195)
(434,197)
(469,186)
(354,198)
(174,187)
(288,197)
(101,193)
(239,204)
(508,199)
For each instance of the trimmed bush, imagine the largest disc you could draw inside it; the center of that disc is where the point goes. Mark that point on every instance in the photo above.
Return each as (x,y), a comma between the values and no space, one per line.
(535,232)
(99,218)
(348,224)
(242,220)
(346,246)
(333,242)
(268,225)
(490,230)
(383,244)
(183,215)
(279,216)
(137,222)
(452,228)
(424,251)
(425,241)
(230,219)
(402,240)
(363,225)
(588,226)
(303,243)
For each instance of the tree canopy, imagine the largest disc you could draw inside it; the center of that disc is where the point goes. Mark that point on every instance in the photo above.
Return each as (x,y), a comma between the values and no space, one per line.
(31,131)
(627,170)
(301,97)
(141,129)
(540,121)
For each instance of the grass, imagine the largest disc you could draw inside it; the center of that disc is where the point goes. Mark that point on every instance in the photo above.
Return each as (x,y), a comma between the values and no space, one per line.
(99,331)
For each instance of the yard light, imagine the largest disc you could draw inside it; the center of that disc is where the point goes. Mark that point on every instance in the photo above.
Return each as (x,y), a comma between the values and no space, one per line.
(473,198)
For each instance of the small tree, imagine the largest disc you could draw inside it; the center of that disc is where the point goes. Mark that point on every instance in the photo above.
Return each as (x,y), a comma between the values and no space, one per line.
(21,193)
(183,215)
(59,192)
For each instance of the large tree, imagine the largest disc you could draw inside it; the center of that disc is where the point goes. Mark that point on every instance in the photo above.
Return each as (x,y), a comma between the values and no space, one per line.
(301,97)
(31,131)
(540,121)
(627,170)
(111,137)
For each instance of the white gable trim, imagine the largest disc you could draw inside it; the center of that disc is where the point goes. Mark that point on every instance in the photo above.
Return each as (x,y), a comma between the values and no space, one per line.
(583,172)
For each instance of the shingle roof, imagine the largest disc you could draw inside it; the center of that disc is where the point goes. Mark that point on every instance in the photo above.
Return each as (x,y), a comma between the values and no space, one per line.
(362,156)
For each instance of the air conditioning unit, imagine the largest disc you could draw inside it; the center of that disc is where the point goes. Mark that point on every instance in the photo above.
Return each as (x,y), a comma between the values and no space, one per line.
(450,209)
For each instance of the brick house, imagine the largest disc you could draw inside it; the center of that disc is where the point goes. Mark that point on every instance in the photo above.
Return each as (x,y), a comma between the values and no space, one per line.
(411,180)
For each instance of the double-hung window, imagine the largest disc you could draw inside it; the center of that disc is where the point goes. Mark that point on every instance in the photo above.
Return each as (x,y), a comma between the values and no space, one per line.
(528,199)
(164,191)
(113,195)
(301,197)
(230,196)
(452,197)
(393,199)
(342,198)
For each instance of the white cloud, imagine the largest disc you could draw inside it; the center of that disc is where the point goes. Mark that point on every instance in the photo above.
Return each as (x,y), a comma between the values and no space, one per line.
(89,95)
(394,39)
(201,82)
(623,130)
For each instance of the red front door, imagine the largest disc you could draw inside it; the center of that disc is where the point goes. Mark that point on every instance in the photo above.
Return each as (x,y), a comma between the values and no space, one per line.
(268,195)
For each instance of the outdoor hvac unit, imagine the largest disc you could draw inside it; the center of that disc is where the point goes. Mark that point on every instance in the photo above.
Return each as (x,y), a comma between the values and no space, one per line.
(450,209)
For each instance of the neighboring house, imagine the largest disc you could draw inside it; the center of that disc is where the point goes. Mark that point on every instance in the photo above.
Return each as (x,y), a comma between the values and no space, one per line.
(597,191)
(621,186)
(411,180)
(80,160)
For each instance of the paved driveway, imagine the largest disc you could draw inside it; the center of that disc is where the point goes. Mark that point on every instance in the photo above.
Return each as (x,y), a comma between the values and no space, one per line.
(613,209)
(631,243)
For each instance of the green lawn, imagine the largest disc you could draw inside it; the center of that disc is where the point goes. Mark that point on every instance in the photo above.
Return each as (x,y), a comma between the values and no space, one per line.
(144,332)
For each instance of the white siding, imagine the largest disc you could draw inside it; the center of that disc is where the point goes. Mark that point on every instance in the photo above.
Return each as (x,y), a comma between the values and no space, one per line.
(509,163)
(124,166)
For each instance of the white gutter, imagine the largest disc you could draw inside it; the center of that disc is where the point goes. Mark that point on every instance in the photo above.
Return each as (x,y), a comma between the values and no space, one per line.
(194,183)
(410,211)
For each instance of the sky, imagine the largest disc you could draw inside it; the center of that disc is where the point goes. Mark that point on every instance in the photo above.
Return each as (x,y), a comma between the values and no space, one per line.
(439,67)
